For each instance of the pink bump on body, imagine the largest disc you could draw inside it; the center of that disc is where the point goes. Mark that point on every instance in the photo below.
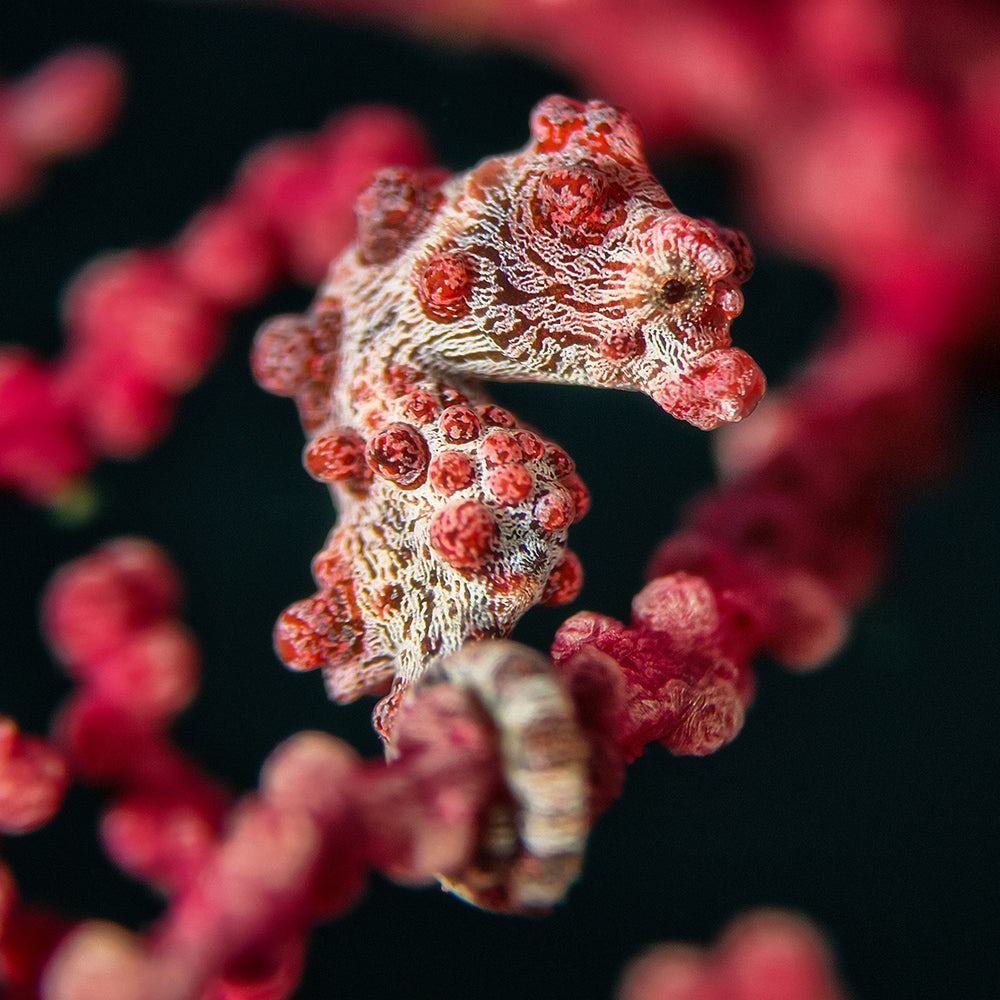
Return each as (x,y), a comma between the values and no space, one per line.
(399,454)
(444,286)
(510,484)
(555,510)
(500,448)
(464,535)
(450,472)
(335,456)
(459,424)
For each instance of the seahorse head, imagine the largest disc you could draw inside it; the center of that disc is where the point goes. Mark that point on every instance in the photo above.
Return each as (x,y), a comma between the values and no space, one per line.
(581,270)
(565,262)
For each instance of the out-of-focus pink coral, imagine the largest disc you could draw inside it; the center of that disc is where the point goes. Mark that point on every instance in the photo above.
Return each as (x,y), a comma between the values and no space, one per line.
(33,780)
(763,955)
(245,891)
(65,106)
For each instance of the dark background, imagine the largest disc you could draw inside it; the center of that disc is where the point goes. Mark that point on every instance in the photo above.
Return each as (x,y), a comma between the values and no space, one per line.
(864,795)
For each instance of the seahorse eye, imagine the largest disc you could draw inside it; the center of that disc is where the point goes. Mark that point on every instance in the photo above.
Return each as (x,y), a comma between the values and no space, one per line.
(673,291)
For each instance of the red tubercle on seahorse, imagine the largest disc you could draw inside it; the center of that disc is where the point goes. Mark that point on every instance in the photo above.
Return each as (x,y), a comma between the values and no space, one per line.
(564,582)
(450,471)
(444,286)
(555,510)
(394,207)
(464,535)
(509,484)
(459,424)
(420,408)
(577,205)
(317,632)
(500,448)
(400,454)
(335,456)
(579,494)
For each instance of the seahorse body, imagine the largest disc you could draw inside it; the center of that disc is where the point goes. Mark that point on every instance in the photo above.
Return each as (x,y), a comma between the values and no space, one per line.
(564,263)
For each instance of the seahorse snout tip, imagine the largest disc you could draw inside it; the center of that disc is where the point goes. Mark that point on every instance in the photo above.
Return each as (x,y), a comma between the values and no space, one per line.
(721,387)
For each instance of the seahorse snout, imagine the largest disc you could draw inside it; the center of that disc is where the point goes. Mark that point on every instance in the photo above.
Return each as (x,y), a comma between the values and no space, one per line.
(720,387)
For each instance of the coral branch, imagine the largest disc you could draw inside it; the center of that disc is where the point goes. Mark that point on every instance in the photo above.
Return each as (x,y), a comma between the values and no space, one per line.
(245,887)
(33,780)
(111,619)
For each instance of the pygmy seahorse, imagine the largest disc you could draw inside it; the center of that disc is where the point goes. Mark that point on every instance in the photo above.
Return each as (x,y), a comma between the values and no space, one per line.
(565,263)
